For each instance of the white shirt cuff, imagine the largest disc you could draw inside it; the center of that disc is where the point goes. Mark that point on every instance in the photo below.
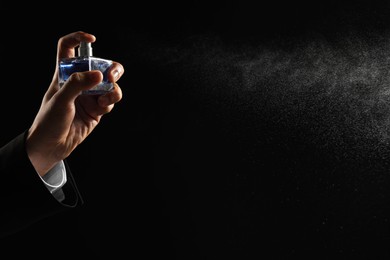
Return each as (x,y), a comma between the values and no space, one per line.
(55,179)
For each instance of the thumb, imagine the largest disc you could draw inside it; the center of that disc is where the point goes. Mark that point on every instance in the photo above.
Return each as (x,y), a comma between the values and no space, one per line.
(78,82)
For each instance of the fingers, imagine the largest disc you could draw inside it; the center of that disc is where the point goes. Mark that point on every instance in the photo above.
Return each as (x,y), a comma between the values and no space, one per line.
(78,82)
(67,44)
(86,80)
(114,96)
(116,71)
(110,98)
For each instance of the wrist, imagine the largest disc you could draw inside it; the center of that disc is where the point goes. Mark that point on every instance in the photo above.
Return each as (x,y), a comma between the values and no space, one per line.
(41,160)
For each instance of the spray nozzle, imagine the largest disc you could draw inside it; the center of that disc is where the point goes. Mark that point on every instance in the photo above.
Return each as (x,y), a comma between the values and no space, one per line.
(85,49)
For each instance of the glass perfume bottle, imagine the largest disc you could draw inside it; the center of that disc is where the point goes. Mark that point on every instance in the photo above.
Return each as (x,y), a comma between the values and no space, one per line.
(85,61)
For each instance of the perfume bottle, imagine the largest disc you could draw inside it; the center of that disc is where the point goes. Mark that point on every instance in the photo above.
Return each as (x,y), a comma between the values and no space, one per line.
(85,61)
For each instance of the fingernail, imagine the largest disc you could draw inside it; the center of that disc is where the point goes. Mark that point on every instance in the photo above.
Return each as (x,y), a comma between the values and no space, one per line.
(116,74)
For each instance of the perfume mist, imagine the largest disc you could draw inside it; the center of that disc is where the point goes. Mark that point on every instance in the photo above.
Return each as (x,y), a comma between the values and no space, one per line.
(85,61)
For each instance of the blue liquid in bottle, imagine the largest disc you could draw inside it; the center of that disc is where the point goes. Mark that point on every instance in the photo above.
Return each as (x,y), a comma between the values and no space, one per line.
(85,62)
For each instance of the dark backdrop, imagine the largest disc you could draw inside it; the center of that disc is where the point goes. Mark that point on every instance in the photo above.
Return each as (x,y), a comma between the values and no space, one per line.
(247,130)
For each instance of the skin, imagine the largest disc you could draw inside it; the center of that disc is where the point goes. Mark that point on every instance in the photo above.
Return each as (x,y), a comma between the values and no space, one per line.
(66,118)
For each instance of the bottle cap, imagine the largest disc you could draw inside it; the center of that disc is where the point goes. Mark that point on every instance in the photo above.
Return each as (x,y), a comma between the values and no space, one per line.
(85,49)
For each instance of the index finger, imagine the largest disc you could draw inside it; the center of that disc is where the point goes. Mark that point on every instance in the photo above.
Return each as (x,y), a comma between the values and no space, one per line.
(67,44)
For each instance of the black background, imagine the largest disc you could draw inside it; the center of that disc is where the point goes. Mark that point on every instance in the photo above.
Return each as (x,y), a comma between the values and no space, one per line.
(182,168)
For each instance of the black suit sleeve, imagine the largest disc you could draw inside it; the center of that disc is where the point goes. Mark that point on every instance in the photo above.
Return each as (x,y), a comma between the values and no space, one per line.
(24,199)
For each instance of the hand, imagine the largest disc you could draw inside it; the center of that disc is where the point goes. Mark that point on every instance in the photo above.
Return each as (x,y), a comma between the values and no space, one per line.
(65,117)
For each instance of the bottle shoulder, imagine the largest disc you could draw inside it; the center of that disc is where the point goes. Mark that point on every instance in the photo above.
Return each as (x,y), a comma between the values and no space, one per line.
(85,59)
